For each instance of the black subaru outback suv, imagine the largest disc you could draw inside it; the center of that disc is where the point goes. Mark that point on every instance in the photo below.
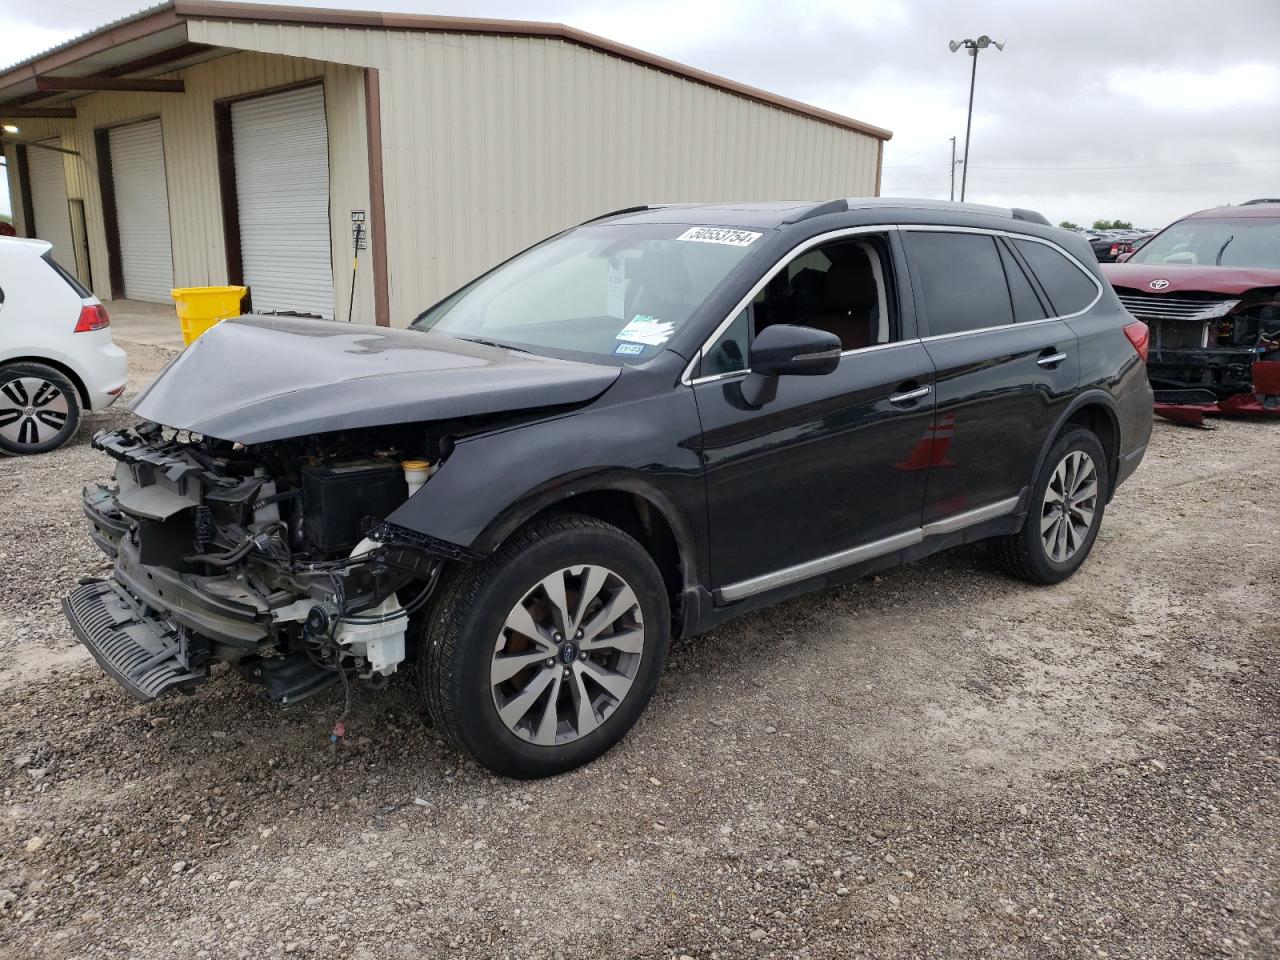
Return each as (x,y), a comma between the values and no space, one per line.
(630,432)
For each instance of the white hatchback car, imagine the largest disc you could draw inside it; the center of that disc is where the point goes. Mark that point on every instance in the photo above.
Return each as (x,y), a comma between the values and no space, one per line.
(56,353)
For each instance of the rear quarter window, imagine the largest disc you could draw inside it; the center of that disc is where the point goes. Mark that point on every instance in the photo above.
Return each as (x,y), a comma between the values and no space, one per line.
(66,275)
(1069,288)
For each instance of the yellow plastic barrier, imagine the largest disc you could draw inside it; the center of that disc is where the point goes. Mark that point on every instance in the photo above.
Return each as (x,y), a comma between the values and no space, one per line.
(199,308)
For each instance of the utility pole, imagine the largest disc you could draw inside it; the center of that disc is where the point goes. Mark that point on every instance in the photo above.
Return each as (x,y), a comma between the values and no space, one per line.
(973,46)
(953,168)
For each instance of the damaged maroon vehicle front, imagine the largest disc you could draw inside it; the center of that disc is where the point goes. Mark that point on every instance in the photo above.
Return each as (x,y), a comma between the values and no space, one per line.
(1208,286)
(251,518)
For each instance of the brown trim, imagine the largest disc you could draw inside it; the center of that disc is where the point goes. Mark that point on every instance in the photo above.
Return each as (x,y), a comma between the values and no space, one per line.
(224,137)
(132,84)
(377,202)
(36,113)
(110,225)
(38,145)
(272,91)
(255,13)
(135,28)
(24,187)
(879,164)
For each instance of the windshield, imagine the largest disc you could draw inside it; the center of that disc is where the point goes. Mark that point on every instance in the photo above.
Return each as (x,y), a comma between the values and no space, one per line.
(1224,243)
(616,291)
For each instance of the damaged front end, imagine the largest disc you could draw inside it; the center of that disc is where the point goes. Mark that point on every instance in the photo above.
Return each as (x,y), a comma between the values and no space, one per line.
(1211,353)
(273,557)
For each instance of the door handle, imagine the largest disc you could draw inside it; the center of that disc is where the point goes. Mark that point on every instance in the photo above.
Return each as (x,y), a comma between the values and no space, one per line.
(1052,360)
(910,395)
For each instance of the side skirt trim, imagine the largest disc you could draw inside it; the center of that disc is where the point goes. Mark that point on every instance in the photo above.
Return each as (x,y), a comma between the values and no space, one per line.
(865,551)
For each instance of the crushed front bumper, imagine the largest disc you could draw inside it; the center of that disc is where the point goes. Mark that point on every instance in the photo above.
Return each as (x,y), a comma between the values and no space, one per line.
(147,656)
(1191,406)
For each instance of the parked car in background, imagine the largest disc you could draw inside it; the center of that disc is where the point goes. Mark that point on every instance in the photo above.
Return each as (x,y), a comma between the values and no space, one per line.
(633,431)
(57,358)
(1209,288)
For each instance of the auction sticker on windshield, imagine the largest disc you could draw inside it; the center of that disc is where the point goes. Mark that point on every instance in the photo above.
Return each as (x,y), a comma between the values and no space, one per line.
(646,329)
(732,238)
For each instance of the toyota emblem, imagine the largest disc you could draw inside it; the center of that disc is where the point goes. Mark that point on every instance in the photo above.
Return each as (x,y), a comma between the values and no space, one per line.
(1158,284)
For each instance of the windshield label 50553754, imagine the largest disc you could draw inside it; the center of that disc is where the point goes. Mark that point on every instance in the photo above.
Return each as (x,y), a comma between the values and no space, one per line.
(732,238)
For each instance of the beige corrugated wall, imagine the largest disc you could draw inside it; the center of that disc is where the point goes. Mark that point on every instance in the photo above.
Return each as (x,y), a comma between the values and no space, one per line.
(191,163)
(491,143)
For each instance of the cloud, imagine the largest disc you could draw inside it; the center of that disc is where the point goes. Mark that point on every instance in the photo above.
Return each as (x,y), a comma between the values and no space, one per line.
(1176,99)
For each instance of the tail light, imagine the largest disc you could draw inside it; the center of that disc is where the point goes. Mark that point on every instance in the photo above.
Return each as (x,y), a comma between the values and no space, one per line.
(93,316)
(1120,247)
(1139,336)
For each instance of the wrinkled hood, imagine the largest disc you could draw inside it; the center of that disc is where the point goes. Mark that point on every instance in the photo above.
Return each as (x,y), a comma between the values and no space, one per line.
(1185,277)
(255,379)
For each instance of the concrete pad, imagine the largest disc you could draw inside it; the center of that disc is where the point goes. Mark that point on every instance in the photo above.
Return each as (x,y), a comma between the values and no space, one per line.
(151,323)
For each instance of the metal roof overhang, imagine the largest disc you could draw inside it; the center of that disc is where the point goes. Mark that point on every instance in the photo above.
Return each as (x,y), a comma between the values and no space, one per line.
(155,41)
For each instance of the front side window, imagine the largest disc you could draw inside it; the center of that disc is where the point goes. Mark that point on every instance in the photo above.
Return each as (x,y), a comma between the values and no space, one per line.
(1252,242)
(840,287)
(601,291)
(963,280)
(1070,290)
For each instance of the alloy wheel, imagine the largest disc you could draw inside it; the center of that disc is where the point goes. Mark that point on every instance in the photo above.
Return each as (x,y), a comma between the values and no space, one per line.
(567,655)
(32,411)
(1070,504)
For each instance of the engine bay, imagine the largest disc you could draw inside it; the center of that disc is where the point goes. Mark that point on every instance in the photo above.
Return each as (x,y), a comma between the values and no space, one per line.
(273,557)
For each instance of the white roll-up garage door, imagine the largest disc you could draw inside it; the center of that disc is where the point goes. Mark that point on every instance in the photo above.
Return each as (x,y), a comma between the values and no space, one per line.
(281,148)
(142,210)
(49,201)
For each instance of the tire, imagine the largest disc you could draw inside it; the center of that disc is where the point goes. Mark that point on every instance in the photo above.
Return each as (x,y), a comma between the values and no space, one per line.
(39,409)
(486,684)
(1026,554)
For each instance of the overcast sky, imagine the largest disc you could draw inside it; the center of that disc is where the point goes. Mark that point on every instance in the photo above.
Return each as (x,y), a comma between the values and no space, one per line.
(1140,110)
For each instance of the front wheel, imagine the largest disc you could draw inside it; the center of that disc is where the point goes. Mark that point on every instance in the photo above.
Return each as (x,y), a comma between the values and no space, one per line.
(1064,513)
(542,657)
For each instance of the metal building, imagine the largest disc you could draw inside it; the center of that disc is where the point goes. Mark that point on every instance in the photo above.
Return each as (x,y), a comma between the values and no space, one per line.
(203,143)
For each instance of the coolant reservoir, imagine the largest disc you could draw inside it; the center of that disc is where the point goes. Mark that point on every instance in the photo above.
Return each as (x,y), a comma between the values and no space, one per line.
(415,473)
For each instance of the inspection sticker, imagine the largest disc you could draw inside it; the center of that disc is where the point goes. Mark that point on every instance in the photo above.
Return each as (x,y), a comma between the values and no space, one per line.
(628,349)
(731,238)
(646,329)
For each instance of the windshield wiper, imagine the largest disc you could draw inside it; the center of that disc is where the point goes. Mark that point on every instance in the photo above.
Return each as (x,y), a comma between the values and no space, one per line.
(1217,261)
(494,343)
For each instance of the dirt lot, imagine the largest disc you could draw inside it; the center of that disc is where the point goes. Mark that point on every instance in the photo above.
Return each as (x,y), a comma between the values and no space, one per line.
(936,762)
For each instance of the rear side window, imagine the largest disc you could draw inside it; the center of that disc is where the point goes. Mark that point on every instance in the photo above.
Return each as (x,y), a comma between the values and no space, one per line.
(66,275)
(1070,290)
(1026,305)
(963,280)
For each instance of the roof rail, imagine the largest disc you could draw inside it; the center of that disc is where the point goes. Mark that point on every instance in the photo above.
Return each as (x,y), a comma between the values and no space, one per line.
(1019,213)
(1249,203)
(618,213)
(830,206)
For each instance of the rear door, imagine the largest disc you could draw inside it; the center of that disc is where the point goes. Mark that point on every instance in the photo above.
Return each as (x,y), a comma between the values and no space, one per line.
(142,211)
(49,206)
(1006,366)
(833,467)
(281,148)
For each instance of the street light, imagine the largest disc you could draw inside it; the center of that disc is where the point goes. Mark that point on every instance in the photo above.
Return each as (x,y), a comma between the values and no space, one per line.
(973,46)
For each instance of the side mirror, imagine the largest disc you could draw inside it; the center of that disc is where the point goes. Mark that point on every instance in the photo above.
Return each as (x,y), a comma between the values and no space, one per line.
(788,350)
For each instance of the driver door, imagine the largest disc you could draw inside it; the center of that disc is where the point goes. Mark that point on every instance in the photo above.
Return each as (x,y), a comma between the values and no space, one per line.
(831,463)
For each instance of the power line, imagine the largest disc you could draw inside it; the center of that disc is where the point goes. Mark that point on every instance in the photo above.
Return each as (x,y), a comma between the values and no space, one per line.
(1123,166)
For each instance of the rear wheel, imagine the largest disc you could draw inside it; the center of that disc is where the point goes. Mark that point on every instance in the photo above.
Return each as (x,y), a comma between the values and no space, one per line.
(542,657)
(1065,512)
(39,408)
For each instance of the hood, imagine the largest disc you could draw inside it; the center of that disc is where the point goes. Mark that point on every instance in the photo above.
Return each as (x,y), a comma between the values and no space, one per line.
(255,379)
(1184,277)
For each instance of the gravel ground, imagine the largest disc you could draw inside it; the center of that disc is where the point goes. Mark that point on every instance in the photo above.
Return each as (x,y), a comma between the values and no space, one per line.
(936,761)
